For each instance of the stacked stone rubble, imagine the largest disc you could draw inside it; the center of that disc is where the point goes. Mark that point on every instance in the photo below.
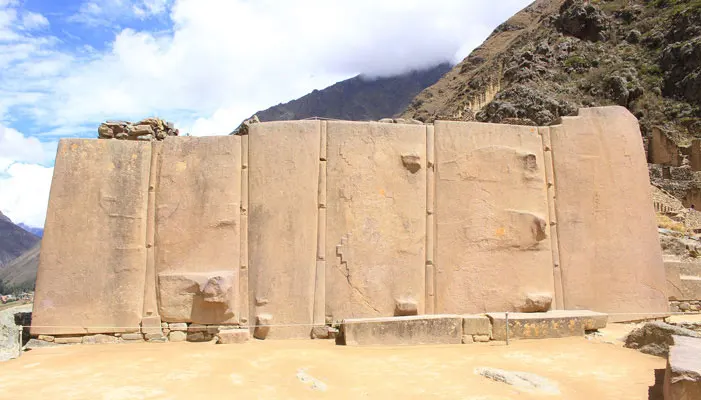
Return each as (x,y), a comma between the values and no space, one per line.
(146,129)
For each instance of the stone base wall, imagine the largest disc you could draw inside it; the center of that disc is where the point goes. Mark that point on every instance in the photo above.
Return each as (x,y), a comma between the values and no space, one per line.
(173,332)
(690,306)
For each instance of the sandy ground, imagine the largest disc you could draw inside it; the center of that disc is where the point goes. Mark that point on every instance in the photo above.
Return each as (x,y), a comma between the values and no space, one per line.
(583,369)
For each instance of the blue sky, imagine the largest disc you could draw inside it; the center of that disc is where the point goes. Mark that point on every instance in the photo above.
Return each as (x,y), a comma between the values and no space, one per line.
(67,65)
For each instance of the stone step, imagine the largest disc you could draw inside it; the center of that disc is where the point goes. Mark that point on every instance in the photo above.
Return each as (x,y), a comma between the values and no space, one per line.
(395,331)
(551,324)
(683,374)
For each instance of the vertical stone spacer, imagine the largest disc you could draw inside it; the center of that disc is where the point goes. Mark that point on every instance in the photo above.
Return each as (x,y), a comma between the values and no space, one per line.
(150,307)
(544,133)
(244,296)
(430,306)
(319,317)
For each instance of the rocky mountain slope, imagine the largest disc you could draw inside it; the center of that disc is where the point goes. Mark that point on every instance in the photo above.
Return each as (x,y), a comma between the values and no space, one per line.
(21,273)
(359,98)
(14,241)
(556,56)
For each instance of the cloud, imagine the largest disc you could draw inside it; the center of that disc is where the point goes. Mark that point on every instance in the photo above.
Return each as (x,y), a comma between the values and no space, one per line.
(19,148)
(24,192)
(25,176)
(32,20)
(225,59)
(105,13)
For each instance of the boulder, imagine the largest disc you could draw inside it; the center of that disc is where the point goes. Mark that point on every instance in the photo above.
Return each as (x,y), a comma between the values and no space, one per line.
(177,336)
(655,337)
(536,302)
(233,336)
(683,374)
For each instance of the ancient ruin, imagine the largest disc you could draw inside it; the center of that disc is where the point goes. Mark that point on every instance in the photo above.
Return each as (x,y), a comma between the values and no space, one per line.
(298,225)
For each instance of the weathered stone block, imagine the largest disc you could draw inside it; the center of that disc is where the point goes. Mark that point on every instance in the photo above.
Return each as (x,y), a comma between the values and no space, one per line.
(376,213)
(177,326)
(476,325)
(198,229)
(95,230)
(196,328)
(151,325)
(68,339)
(481,338)
(552,324)
(283,182)
(683,375)
(406,307)
(177,336)
(99,339)
(133,336)
(467,339)
(153,336)
(603,194)
(198,337)
(411,330)
(232,336)
(205,297)
(262,329)
(536,302)
(491,215)
(46,338)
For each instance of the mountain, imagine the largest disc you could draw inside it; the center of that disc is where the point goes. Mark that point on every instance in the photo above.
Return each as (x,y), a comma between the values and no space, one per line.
(556,56)
(359,98)
(14,241)
(20,273)
(39,232)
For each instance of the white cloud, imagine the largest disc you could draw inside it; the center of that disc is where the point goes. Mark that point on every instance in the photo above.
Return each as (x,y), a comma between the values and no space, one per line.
(24,177)
(32,20)
(19,148)
(224,60)
(24,192)
(107,12)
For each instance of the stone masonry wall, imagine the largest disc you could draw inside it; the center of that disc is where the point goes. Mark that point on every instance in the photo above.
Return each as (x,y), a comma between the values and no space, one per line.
(291,226)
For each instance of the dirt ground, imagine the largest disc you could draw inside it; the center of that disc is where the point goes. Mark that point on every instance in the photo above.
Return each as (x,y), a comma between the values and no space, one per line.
(584,369)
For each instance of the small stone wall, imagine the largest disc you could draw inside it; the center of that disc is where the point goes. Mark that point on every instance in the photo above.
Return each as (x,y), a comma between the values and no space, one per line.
(690,306)
(168,332)
(148,129)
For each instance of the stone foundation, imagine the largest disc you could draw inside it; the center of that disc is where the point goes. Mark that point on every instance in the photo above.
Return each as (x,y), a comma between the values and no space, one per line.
(686,306)
(167,332)
(453,329)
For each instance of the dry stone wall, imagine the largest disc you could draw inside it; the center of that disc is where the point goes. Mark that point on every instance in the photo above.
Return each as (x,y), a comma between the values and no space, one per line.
(290,226)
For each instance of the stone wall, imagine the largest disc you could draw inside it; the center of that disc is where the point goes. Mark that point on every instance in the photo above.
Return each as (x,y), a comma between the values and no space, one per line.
(297,224)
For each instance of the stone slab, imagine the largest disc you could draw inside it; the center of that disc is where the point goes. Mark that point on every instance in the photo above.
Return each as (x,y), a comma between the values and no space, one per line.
(68,339)
(93,255)
(376,219)
(682,379)
(491,217)
(282,235)
(395,331)
(198,203)
(99,339)
(690,287)
(552,324)
(608,241)
(476,325)
(233,336)
(151,325)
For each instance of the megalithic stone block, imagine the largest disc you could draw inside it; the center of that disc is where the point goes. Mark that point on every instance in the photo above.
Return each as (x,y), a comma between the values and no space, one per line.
(609,246)
(198,228)
(93,257)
